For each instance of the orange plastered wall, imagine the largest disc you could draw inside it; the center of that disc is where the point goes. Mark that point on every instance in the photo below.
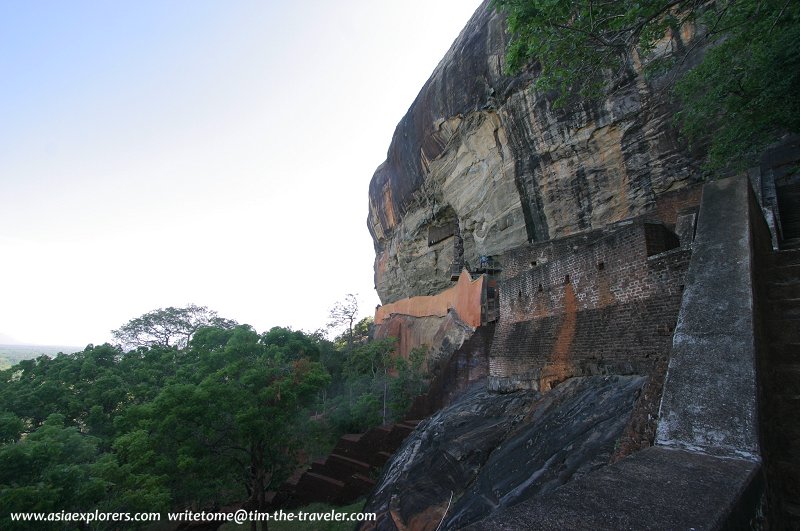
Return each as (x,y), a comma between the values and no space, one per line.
(464,298)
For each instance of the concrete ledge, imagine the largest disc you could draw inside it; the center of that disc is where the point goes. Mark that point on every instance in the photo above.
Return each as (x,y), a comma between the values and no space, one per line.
(710,398)
(657,488)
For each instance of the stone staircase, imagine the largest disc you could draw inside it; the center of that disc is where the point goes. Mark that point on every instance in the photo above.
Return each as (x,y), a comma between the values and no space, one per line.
(347,473)
(789,203)
(781,384)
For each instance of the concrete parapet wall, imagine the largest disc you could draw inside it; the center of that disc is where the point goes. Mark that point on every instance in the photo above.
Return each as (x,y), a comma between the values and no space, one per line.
(710,400)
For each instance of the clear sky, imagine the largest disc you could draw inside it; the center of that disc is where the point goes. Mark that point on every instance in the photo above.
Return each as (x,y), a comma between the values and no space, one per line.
(157,153)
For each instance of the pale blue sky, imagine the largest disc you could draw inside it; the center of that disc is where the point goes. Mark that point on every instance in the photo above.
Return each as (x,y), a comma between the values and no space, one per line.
(157,153)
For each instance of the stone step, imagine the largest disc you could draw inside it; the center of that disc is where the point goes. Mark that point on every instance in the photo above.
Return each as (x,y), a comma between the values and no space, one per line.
(791,243)
(785,258)
(782,422)
(346,466)
(781,434)
(320,466)
(780,291)
(783,330)
(784,442)
(356,486)
(349,445)
(784,353)
(793,400)
(376,437)
(784,273)
(785,402)
(785,308)
(793,511)
(363,481)
(399,433)
(373,458)
(785,380)
(791,231)
(317,488)
(789,479)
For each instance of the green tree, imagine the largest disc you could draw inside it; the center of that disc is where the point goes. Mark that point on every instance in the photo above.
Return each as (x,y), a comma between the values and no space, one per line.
(133,488)
(217,421)
(168,327)
(410,380)
(235,425)
(374,360)
(292,344)
(50,470)
(11,427)
(343,315)
(744,94)
(87,388)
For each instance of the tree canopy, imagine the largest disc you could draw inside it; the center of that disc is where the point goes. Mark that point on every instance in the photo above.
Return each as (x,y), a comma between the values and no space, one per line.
(204,416)
(168,327)
(743,95)
(343,315)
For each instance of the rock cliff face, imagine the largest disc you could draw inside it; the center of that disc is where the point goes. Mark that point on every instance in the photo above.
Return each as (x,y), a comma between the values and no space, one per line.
(487,152)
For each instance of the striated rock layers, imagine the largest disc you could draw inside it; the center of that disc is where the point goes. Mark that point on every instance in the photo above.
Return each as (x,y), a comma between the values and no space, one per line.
(487,155)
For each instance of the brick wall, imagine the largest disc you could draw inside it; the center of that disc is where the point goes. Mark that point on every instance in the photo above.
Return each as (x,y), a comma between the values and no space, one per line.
(602,302)
(668,206)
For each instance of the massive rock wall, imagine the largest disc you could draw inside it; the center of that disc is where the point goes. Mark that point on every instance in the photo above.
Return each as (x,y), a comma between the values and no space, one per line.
(489,152)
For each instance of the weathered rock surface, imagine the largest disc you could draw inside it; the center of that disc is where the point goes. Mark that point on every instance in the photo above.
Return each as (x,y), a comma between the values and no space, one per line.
(657,489)
(488,151)
(440,336)
(490,451)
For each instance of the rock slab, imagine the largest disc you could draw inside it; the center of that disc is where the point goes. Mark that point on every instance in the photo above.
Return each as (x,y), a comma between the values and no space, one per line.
(488,451)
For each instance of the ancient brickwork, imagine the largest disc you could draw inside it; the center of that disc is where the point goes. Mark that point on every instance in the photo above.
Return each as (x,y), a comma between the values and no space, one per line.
(603,302)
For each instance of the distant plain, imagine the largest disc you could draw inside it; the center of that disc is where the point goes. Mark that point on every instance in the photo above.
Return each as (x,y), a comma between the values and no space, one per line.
(12,354)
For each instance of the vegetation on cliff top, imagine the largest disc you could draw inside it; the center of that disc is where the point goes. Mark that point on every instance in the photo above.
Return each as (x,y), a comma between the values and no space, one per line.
(743,95)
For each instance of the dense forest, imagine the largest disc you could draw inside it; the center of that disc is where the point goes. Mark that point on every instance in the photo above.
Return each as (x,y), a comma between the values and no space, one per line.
(189,411)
